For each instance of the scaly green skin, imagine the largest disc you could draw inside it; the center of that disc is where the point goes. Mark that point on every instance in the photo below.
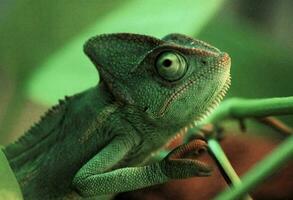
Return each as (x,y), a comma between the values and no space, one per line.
(99,141)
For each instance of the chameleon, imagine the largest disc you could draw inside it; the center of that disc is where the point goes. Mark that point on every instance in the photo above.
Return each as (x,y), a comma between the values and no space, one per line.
(100,141)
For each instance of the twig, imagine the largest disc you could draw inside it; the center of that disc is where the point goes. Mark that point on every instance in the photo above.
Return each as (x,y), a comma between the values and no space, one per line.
(224,165)
(277,125)
(236,108)
(261,171)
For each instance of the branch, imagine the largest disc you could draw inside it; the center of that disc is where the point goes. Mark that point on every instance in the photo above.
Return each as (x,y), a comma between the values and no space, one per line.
(261,171)
(224,165)
(237,108)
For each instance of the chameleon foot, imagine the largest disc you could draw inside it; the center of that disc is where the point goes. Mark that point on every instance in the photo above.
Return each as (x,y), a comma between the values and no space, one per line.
(176,166)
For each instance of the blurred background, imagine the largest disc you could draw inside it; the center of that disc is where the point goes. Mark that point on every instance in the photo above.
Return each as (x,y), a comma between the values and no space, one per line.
(41,57)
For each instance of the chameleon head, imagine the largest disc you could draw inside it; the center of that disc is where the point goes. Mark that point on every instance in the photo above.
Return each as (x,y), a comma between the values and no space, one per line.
(199,75)
(176,79)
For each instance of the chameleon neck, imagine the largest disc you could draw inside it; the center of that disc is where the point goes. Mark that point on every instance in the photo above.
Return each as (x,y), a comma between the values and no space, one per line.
(36,143)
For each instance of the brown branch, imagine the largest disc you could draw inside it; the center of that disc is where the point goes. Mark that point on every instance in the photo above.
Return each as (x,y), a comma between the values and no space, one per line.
(277,125)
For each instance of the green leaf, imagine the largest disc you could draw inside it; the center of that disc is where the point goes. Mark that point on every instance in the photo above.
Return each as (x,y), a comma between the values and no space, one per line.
(9,188)
(69,71)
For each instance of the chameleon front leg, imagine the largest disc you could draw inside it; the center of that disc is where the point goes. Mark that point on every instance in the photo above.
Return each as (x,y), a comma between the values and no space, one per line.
(95,177)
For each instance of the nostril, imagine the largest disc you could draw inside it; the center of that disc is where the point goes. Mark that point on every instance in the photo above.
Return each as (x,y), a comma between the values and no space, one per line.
(203,62)
(225,57)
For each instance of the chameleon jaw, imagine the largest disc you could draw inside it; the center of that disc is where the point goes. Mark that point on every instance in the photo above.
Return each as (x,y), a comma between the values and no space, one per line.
(175,95)
(194,79)
(213,104)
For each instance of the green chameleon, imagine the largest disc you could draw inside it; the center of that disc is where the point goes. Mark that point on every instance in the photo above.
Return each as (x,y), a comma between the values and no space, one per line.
(101,141)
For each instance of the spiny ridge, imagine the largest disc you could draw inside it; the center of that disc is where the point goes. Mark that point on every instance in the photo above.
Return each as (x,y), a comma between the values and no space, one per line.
(212,106)
(38,131)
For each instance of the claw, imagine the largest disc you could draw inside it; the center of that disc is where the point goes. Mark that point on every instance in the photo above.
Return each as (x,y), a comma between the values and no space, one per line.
(177,165)
(197,146)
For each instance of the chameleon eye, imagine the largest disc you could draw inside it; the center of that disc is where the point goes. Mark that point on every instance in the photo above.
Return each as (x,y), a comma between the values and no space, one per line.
(171,66)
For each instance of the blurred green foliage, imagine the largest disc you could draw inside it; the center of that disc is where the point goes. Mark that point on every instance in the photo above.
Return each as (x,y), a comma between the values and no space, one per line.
(72,71)
(41,49)
(260,67)
(30,31)
(42,42)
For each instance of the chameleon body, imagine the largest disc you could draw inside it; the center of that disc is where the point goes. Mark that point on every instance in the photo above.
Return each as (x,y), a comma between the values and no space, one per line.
(100,141)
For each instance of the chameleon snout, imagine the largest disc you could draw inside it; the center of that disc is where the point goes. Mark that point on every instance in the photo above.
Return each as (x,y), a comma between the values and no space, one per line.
(224,60)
